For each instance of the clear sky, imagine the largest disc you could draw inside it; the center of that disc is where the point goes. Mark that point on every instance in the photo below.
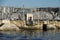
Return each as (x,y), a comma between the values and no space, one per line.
(30,3)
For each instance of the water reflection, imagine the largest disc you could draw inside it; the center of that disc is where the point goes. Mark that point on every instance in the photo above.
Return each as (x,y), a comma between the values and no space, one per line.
(30,35)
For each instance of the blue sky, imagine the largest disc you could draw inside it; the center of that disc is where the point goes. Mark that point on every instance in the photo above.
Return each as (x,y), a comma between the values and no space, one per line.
(30,3)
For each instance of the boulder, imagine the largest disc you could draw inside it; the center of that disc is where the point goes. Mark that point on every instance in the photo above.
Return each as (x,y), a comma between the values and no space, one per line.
(9,26)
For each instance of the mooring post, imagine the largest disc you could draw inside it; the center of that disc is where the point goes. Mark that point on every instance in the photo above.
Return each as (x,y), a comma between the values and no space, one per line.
(45,26)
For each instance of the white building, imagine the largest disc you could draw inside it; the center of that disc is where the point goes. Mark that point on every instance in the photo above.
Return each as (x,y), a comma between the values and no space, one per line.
(6,9)
(42,15)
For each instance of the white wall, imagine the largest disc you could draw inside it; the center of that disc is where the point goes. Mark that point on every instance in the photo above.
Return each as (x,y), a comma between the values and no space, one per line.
(29,15)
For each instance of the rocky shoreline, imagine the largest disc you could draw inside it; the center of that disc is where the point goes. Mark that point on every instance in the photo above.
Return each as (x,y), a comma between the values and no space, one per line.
(15,26)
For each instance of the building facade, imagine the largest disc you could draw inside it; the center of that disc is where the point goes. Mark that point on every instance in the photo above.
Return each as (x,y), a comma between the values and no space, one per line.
(38,13)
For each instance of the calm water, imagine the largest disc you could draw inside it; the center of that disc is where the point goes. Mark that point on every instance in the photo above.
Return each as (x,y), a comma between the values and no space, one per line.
(30,35)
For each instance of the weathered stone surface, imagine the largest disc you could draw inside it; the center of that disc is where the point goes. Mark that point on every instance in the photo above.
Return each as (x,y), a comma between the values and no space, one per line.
(8,26)
(6,21)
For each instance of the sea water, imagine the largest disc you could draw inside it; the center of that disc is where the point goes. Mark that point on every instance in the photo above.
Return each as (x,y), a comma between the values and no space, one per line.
(30,35)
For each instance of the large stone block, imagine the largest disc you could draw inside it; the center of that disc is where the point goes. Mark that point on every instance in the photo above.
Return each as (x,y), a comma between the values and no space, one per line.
(6,21)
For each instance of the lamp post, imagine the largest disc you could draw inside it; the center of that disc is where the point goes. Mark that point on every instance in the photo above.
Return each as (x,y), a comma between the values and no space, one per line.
(38,16)
(23,10)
